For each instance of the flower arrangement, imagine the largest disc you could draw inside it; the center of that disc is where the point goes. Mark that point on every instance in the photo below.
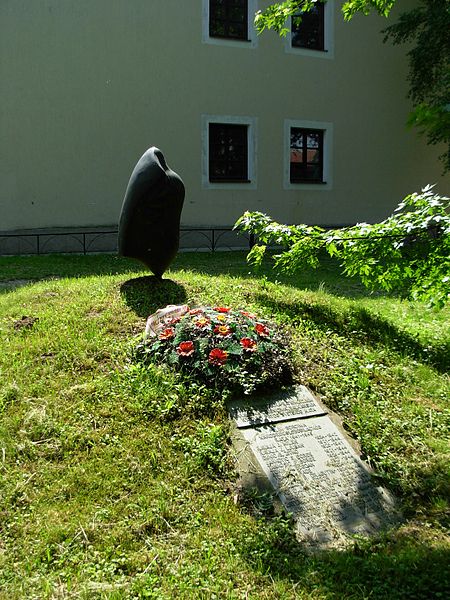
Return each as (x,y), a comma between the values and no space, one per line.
(229,349)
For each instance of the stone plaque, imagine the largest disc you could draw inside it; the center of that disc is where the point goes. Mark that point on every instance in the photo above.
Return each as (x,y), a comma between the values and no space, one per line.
(320,480)
(295,403)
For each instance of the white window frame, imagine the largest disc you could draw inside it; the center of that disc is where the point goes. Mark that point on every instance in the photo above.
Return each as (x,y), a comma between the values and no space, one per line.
(327,175)
(251,33)
(251,123)
(328,52)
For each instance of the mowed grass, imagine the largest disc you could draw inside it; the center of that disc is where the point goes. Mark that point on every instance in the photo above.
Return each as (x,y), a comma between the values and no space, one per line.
(116,481)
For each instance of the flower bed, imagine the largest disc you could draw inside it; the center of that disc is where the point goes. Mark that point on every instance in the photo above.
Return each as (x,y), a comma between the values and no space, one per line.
(229,349)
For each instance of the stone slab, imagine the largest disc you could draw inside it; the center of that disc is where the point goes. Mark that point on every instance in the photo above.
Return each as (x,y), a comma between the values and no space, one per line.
(320,480)
(294,403)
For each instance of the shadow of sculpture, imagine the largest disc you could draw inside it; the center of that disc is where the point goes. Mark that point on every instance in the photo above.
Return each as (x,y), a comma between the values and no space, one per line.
(144,295)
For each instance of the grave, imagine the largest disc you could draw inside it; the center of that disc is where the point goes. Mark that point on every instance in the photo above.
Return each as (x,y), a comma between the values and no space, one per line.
(289,441)
(293,403)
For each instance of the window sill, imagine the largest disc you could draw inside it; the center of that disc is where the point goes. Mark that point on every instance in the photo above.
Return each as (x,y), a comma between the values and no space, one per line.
(229,38)
(327,54)
(293,47)
(246,44)
(307,182)
(229,181)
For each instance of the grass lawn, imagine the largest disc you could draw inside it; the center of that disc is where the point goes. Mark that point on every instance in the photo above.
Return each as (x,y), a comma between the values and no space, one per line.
(116,481)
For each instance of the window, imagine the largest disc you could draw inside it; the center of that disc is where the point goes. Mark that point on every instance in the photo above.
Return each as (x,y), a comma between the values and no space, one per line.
(229,23)
(228,19)
(308,155)
(312,32)
(229,152)
(308,29)
(306,161)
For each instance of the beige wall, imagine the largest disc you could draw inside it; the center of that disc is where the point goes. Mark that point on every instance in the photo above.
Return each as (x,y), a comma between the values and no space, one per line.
(89,85)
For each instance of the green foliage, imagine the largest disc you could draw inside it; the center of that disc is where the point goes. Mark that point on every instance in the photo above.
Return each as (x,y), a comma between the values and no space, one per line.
(9,394)
(351,7)
(157,392)
(427,28)
(409,251)
(275,16)
(205,449)
(228,349)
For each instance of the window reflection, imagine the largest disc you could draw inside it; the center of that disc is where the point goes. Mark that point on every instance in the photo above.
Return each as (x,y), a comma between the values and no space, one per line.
(308,29)
(306,155)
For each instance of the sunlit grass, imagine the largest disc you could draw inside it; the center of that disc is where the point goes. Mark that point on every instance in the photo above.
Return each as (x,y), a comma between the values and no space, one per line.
(115,481)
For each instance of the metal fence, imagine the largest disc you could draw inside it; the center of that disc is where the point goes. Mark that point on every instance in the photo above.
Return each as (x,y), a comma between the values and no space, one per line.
(207,239)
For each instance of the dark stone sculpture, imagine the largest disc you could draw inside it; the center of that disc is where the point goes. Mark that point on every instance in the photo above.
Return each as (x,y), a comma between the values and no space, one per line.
(149,225)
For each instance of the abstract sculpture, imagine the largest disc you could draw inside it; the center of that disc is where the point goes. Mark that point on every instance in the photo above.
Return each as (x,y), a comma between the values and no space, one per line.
(149,224)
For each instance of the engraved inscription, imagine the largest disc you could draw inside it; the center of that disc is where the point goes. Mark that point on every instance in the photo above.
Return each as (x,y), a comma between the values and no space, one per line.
(319,478)
(296,403)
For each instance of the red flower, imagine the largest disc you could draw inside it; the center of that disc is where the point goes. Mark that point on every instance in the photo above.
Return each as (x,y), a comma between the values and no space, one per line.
(166,334)
(222,330)
(202,322)
(261,330)
(217,357)
(195,311)
(222,309)
(186,348)
(248,344)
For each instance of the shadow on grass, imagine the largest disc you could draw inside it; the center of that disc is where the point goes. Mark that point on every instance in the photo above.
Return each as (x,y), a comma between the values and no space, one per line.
(358,320)
(398,569)
(328,276)
(144,295)
(234,264)
(36,268)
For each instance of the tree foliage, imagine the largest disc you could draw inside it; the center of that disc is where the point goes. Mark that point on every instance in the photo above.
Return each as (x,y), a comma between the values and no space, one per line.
(408,252)
(275,16)
(426,27)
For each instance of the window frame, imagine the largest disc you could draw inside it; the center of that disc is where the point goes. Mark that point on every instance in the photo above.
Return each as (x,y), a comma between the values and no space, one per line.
(227,23)
(251,124)
(328,36)
(306,132)
(327,155)
(250,42)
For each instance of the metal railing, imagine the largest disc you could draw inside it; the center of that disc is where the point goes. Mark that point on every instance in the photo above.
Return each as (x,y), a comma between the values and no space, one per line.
(98,241)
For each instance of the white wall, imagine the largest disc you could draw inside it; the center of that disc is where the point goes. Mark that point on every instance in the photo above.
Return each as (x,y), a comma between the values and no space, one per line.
(89,85)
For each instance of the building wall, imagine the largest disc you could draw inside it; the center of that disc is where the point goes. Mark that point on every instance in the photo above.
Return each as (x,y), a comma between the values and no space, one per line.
(89,85)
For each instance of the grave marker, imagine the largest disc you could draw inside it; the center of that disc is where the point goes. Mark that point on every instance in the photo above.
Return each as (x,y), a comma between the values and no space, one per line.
(294,403)
(316,473)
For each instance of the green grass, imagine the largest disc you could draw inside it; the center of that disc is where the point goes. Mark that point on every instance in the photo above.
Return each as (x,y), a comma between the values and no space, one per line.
(115,480)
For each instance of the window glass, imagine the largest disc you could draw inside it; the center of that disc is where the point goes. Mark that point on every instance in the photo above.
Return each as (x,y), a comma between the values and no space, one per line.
(308,29)
(228,19)
(228,152)
(306,155)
